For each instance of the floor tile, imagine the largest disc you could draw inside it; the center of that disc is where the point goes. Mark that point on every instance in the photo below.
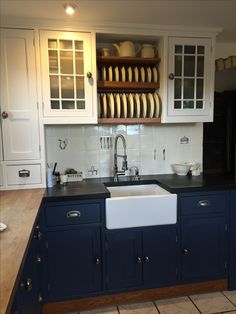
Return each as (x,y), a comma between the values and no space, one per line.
(180,305)
(105,310)
(212,303)
(231,295)
(138,308)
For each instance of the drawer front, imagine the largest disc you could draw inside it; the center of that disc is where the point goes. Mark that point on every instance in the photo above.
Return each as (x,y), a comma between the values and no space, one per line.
(24,174)
(204,203)
(73,214)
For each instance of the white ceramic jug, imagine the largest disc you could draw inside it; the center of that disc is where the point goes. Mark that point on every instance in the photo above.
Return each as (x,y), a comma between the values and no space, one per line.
(148,51)
(127,49)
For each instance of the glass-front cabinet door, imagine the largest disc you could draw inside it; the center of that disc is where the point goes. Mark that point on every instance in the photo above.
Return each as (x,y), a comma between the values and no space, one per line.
(190,80)
(67,75)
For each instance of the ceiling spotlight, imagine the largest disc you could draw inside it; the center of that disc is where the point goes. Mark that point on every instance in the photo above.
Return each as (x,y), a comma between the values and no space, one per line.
(70,8)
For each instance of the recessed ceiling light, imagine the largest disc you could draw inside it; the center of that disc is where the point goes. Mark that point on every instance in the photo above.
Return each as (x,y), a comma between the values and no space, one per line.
(70,8)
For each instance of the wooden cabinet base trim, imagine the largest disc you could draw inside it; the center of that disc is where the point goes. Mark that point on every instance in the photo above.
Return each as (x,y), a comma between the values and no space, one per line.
(135,296)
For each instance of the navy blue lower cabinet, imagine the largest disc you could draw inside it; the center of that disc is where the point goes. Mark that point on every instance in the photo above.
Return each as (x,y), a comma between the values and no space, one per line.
(141,257)
(159,256)
(28,296)
(203,248)
(123,259)
(232,255)
(73,262)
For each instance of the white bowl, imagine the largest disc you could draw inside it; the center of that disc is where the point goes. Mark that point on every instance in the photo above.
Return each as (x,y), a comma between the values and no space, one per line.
(181,169)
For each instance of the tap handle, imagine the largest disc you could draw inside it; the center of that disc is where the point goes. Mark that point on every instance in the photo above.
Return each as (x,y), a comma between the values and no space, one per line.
(124,165)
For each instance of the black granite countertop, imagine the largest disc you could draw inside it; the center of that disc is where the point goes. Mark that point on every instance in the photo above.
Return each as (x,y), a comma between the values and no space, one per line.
(96,188)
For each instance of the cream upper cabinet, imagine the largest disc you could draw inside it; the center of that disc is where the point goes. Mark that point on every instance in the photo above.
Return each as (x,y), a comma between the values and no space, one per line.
(68,77)
(19,109)
(190,80)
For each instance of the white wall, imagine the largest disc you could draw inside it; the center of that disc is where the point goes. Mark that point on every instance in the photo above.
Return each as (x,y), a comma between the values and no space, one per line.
(224,50)
(145,145)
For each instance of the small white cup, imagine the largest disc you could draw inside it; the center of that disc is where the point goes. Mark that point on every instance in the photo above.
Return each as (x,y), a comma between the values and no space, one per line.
(64,179)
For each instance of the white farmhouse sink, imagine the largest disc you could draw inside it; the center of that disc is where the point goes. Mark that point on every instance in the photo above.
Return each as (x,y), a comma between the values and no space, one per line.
(140,205)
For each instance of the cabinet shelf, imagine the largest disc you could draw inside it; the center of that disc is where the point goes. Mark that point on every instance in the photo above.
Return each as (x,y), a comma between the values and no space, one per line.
(126,86)
(129,120)
(128,60)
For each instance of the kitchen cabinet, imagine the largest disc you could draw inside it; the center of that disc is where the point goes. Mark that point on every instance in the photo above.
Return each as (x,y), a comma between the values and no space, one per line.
(204,235)
(28,297)
(190,81)
(69,77)
(137,258)
(73,248)
(19,109)
(232,255)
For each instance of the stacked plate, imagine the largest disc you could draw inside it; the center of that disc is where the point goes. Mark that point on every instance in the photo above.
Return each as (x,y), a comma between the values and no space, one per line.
(129,74)
(131,105)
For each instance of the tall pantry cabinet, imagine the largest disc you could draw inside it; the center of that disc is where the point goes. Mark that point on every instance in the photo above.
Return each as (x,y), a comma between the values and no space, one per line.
(20,142)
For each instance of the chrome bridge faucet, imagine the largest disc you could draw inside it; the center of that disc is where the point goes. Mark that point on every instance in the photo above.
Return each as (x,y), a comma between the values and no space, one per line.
(118,172)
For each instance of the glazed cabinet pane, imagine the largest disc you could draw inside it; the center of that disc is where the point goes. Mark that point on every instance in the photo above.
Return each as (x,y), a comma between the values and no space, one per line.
(66,62)
(189,78)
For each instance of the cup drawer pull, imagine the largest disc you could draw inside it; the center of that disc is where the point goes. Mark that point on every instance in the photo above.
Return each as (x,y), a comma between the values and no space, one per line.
(204,203)
(73,214)
(24,173)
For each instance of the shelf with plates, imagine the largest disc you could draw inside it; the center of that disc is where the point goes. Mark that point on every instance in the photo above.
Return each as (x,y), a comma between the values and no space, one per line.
(127,60)
(127,86)
(129,120)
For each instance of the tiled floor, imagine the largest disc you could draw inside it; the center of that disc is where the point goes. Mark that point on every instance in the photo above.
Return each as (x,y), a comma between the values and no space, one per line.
(217,302)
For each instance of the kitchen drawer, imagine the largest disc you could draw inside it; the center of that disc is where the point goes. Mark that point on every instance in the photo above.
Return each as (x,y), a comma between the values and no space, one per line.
(72,214)
(203,203)
(24,174)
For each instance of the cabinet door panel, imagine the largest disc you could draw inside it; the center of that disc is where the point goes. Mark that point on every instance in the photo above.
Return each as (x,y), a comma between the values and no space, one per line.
(19,95)
(159,256)
(74,265)
(124,268)
(203,248)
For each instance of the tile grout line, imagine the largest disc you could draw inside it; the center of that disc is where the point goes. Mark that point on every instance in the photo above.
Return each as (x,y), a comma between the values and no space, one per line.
(194,304)
(156,307)
(228,300)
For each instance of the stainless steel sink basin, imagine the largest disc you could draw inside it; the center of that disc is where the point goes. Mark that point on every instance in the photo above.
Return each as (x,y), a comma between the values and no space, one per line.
(140,205)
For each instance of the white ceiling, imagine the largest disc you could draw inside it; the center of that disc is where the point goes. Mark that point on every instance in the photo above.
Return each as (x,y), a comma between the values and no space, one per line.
(189,13)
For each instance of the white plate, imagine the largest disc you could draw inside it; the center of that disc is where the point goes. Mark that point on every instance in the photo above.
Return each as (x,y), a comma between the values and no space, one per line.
(142,73)
(137,105)
(2,226)
(157,105)
(130,74)
(151,105)
(131,106)
(116,74)
(111,106)
(110,74)
(124,106)
(104,73)
(149,75)
(104,106)
(136,74)
(99,105)
(144,105)
(123,74)
(155,75)
(118,107)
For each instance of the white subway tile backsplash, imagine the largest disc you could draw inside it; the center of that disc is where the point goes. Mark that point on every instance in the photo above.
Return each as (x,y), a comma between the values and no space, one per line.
(152,148)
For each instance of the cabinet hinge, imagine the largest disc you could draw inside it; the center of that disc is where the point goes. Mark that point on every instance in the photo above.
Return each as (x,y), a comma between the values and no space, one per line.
(46,244)
(226,227)
(176,239)
(37,105)
(106,245)
(34,42)
(40,148)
